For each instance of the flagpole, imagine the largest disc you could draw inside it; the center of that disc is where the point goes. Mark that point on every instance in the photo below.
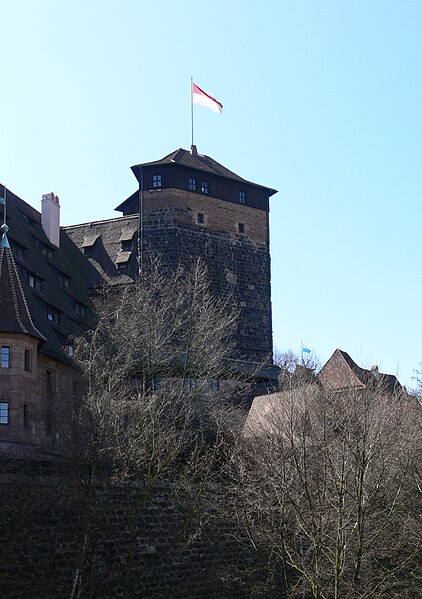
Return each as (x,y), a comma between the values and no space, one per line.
(191,107)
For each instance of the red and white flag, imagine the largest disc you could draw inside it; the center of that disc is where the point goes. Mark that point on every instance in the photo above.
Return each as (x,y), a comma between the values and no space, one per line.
(204,99)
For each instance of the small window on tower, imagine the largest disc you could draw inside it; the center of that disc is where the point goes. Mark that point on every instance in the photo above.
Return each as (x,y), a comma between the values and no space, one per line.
(192,184)
(49,381)
(26,416)
(204,187)
(27,360)
(5,356)
(201,218)
(242,197)
(156,181)
(4,412)
(241,228)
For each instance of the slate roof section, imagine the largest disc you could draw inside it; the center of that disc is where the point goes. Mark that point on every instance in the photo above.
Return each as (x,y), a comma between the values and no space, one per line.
(340,373)
(33,254)
(99,265)
(199,162)
(14,314)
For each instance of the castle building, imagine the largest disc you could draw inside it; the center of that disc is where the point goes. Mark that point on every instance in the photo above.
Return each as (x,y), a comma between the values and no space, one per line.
(189,206)
(186,206)
(42,307)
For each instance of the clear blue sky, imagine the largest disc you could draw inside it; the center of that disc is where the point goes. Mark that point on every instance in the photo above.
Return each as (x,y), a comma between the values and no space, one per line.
(322,100)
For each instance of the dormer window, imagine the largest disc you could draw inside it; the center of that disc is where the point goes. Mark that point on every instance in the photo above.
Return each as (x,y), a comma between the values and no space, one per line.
(64,280)
(156,181)
(45,250)
(34,282)
(18,250)
(204,187)
(242,197)
(53,315)
(80,309)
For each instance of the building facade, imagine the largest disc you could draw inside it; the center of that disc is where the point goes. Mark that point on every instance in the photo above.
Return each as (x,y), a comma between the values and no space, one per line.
(187,206)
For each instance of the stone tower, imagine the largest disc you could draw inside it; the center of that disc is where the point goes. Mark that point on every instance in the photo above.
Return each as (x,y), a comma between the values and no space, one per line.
(191,206)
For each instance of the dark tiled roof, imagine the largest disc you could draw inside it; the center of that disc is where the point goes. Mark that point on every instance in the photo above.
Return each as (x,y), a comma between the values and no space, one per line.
(48,263)
(102,243)
(14,314)
(340,372)
(199,162)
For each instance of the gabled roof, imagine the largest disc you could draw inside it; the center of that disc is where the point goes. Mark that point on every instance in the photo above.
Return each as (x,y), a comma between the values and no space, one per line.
(340,372)
(200,162)
(14,314)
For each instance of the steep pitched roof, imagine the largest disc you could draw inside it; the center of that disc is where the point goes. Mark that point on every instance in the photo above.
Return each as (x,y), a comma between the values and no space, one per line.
(101,242)
(200,162)
(34,255)
(15,316)
(341,372)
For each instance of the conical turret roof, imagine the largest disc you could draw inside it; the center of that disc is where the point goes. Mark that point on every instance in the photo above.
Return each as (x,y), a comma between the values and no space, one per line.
(14,314)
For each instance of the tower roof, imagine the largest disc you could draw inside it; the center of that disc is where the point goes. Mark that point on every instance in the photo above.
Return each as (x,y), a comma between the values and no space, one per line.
(14,315)
(200,162)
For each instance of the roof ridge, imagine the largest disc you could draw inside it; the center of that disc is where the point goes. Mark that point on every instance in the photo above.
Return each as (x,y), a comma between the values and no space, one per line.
(13,274)
(106,220)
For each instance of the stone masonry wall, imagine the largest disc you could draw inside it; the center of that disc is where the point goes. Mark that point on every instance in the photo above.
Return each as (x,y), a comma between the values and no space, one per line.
(237,267)
(220,216)
(58,539)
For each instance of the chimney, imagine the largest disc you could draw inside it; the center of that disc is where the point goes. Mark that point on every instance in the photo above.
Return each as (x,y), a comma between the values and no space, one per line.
(375,370)
(193,150)
(50,217)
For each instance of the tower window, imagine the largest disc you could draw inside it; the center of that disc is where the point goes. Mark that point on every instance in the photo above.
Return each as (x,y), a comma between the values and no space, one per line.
(27,360)
(25,415)
(204,187)
(4,412)
(49,381)
(156,181)
(201,218)
(5,356)
(242,197)
(241,228)
(192,184)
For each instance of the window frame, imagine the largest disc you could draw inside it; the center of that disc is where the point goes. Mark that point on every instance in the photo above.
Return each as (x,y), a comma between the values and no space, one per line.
(6,410)
(27,360)
(205,187)
(49,380)
(192,184)
(26,416)
(157,181)
(3,360)
(242,197)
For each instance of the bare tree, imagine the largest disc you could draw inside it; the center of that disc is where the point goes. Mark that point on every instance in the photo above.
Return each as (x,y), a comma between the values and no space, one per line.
(328,488)
(294,370)
(157,377)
